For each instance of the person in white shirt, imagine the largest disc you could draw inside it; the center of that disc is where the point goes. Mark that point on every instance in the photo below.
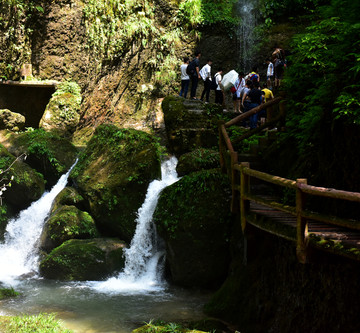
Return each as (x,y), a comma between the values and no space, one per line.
(270,73)
(205,74)
(219,94)
(185,79)
(239,86)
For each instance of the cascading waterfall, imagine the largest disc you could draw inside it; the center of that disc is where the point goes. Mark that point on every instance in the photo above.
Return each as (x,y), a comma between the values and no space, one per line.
(142,270)
(246,35)
(19,254)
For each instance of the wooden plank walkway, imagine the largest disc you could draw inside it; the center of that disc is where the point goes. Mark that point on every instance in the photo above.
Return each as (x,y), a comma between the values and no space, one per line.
(338,240)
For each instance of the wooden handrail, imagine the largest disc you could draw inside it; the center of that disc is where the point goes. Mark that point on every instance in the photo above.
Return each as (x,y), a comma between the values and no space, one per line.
(226,138)
(330,192)
(241,188)
(255,110)
(266,177)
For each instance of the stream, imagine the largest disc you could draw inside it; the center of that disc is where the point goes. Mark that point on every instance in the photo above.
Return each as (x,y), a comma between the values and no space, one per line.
(120,304)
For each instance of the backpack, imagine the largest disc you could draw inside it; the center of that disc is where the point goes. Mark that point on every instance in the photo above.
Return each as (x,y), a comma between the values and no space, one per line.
(190,69)
(253,77)
(213,84)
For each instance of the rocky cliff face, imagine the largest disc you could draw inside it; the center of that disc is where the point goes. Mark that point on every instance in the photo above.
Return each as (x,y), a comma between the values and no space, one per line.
(125,59)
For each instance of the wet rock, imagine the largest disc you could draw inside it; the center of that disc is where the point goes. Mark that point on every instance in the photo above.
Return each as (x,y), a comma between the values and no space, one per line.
(193,217)
(68,196)
(47,153)
(113,174)
(27,185)
(79,259)
(67,222)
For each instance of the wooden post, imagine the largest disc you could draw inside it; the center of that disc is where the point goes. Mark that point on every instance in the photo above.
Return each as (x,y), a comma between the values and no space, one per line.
(234,183)
(221,148)
(244,188)
(301,224)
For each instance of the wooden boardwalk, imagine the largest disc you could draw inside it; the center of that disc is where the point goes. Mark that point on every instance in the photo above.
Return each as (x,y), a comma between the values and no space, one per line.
(297,222)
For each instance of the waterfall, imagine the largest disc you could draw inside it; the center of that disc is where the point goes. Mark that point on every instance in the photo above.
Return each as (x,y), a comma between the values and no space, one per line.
(18,251)
(143,258)
(246,35)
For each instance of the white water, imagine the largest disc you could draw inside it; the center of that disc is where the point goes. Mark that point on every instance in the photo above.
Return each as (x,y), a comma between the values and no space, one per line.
(19,254)
(143,260)
(246,35)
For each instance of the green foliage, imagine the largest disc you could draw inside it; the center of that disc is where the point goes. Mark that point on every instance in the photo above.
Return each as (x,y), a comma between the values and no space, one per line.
(8,292)
(196,13)
(322,82)
(41,323)
(15,27)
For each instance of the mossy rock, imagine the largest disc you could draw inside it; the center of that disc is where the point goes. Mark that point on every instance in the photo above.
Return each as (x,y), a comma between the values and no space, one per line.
(81,260)
(190,124)
(67,222)
(47,153)
(196,160)
(27,185)
(11,120)
(196,232)
(62,114)
(113,174)
(68,196)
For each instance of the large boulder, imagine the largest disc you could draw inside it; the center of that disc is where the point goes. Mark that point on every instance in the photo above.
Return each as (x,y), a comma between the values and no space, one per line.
(190,124)
(25,185)
(62,112)
(196,233)
(67,222)
(11,120)
(113,174)
(47,152)
(80,259)
(68,196)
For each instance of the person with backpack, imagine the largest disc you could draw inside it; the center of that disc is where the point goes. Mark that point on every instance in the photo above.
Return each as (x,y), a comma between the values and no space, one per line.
(254,76)
(205,74)
(185,79)
(193,71)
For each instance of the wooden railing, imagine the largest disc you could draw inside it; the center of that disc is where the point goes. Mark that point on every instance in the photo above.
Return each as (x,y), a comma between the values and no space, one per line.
(241,174)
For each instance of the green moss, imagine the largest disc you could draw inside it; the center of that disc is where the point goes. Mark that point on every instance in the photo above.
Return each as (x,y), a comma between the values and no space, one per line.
(47,152)
(84,260)
(186,202)
(7,293)
(113,174)
(67,222)
(198,159)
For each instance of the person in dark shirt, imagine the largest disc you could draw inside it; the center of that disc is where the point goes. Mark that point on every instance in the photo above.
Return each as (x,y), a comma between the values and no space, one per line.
(255,95)
(195,76)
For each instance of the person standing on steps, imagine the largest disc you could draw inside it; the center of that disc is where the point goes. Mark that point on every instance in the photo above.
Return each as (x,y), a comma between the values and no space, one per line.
(219,94)
(194,72)
(239,86)
(185,79)
(205,74)
(269,73)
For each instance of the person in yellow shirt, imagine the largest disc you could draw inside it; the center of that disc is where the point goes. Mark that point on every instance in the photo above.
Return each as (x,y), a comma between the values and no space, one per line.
(268,94)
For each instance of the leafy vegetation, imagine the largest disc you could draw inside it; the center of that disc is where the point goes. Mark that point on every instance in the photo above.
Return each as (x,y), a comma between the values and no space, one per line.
(197,13)
(41,323)
(8,292)
(15,26)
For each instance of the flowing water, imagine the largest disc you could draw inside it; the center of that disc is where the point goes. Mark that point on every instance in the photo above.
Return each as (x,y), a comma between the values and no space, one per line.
(121,303)
(246,33)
